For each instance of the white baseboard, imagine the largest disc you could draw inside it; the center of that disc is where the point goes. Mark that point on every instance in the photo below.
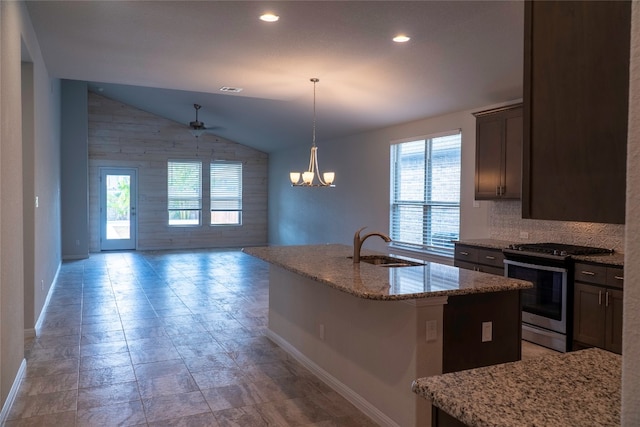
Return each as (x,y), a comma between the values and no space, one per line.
(13,392)
(38,325)
(358,401)
(74,257)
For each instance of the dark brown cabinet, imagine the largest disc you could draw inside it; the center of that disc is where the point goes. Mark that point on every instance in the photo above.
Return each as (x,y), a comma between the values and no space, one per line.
(598,307)
(499,153)
(576,80)
(486,260)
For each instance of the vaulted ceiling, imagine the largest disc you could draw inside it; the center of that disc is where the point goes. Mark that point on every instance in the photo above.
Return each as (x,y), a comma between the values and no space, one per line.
(164,56)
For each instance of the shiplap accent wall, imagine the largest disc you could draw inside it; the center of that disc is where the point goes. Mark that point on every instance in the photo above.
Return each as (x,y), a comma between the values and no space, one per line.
(123,136)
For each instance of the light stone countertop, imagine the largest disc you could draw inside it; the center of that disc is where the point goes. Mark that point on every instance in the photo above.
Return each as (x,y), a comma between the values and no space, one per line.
(329,264)
(581,388)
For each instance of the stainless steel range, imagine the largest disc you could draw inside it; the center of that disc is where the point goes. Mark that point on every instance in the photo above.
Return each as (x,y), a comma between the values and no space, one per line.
(547,315)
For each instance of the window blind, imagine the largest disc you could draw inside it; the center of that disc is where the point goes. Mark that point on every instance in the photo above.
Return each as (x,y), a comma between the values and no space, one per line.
(226,193)
(425,192)
(184,192)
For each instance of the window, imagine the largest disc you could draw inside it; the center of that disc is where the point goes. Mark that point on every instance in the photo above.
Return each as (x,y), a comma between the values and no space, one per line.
(226,193)
(184,192)
(425,193)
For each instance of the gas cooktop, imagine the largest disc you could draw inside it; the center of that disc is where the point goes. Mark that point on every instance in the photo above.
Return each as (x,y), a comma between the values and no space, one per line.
(559,249)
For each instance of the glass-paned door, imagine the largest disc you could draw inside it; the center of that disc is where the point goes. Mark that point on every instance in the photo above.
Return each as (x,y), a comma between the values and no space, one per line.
(118,195)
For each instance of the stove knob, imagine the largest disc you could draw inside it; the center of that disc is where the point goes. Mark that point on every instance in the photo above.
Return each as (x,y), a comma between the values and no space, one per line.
(564,253)
(556,252)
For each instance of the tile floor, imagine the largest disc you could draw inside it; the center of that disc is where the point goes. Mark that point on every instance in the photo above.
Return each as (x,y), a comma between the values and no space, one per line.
(167,339)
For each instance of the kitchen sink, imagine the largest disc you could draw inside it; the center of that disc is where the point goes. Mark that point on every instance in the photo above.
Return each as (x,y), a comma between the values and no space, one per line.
(388,261)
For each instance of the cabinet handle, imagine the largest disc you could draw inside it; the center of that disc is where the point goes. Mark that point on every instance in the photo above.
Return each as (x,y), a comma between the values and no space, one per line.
(498,190)
(503,190)
(606,299)
(464,253)
(588,273)
(599,297)
(490,257)
(618,277)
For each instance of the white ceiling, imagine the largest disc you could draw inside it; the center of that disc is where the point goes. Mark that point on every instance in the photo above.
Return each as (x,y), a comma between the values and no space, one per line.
(164,56)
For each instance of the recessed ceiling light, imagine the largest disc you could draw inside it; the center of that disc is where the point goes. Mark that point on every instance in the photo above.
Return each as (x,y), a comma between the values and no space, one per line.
(230,89)
(269,17)
(401,38)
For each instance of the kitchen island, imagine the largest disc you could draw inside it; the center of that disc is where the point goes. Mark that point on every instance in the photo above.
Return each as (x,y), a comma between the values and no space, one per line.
(581,388)
(369,331)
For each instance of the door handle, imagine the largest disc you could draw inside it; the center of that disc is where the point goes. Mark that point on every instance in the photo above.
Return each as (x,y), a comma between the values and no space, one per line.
(599,297)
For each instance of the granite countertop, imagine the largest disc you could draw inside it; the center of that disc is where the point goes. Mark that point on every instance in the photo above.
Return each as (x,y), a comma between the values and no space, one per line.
(614,259)
(329,264)
(581,388)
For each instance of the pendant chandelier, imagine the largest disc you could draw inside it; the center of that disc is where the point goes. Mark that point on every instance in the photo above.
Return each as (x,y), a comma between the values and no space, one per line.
(325,179)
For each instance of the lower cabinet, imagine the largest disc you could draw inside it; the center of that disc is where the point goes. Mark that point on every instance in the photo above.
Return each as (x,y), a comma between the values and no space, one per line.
(598,308)
(486,260)
(440,418)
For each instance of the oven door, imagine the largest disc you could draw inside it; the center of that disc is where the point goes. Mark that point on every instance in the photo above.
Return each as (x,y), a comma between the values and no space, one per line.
(544,305)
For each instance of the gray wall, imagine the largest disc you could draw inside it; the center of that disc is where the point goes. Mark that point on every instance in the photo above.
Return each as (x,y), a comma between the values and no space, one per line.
(361,197)
(74,170)
(631,321)
(29,167)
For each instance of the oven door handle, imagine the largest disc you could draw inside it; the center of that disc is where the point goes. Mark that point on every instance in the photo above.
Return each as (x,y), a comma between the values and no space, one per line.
(508,262)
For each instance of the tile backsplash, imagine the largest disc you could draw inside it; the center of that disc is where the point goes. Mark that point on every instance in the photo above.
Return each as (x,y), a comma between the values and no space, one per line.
(506,223)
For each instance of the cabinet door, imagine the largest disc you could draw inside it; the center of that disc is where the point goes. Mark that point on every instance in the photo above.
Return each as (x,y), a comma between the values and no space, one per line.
(489,159)
(613,334)
(575,130)
(589,314)
(512,185)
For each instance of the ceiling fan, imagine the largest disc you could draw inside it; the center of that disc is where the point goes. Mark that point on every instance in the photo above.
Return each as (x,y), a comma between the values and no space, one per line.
(197,127)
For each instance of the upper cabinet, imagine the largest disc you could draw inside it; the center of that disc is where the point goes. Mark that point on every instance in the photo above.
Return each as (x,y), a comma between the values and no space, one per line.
(499,153)
(576,84)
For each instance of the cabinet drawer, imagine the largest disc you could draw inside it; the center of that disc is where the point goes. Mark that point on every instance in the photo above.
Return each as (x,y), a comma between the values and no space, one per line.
(466,265)
(491,257)
(615,277)
(466,253)
(498,271)
(590,273)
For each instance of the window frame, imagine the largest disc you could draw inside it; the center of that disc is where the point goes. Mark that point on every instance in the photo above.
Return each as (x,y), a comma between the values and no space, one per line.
(184,199)
(227,198)
(427,243)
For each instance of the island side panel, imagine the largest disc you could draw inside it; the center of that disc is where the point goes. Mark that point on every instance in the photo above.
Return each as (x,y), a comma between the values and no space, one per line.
(464,316)
(371,351)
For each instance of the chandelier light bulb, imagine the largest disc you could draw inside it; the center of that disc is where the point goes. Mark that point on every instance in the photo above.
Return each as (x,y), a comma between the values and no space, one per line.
(295,177)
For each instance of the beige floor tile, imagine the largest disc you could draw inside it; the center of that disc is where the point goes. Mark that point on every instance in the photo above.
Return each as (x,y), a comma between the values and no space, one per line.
(167,339)
(121,414)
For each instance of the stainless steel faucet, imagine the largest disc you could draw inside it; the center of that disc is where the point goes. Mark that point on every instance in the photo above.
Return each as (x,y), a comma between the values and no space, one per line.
(358,241)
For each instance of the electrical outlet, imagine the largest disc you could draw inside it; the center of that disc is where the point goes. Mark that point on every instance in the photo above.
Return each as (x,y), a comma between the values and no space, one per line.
(321,331)
(487,331)
(42,285)
(432,330)
(524,235)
